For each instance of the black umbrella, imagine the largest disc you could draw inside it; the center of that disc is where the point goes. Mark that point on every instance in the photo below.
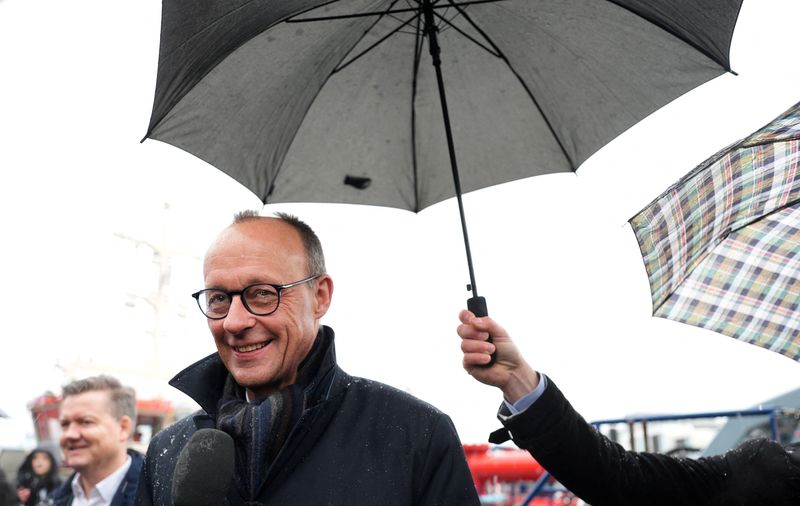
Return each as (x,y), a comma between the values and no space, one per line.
(334,101)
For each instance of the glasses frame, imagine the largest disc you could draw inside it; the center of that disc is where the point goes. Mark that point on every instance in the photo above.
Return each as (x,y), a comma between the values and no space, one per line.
(231,293)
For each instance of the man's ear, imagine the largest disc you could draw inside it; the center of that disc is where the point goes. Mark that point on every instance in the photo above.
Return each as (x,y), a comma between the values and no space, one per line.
(323,293)
(126,428)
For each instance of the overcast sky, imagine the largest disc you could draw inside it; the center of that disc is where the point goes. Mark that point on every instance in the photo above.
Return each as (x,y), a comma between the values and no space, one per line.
(85,206)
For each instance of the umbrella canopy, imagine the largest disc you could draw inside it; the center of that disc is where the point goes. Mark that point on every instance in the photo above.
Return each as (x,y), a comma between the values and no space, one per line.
(722,245)
(291,107)
(336,101)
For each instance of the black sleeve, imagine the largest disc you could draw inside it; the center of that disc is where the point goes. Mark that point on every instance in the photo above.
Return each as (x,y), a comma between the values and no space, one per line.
(763,472)
(600,471)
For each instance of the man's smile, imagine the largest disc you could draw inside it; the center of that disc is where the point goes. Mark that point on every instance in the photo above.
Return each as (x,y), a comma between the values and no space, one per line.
(250,347)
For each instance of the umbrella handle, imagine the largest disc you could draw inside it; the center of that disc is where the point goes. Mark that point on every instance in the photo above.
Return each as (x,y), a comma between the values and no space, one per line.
(477,305)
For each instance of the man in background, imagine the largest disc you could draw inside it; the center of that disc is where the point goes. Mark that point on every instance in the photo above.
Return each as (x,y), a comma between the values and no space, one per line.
(97,419)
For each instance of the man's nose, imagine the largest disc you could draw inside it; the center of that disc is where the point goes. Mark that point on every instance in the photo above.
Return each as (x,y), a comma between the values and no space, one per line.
(239,318)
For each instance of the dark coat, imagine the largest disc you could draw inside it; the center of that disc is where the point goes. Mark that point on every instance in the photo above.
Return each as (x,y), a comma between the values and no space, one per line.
(126,491)
(361,442)
(8,496)
(601,472)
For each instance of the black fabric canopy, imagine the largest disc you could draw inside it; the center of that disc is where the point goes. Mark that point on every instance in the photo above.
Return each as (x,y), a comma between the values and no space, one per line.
(534,87)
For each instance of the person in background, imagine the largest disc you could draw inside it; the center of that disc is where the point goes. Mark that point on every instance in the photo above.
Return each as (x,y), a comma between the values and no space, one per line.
(538,418)
(305,432)
(37,477)
(97,420)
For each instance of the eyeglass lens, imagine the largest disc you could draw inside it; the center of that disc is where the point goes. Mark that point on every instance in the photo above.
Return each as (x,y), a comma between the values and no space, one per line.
(259,299)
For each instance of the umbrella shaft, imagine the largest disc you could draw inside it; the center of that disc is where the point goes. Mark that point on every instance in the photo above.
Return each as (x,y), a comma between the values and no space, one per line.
(433,42)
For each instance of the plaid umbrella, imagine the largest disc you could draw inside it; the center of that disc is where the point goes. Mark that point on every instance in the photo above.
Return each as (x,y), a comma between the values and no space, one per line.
(722,245)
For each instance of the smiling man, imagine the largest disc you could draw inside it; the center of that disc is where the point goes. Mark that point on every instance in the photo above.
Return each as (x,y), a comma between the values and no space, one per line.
(304,431)
(97,420)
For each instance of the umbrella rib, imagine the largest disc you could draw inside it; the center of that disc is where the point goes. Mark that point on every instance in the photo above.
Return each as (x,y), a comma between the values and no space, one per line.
(675,34)
(382,13)
(414,81)
(377,13)
(500,54)
(466,35)
(375,44)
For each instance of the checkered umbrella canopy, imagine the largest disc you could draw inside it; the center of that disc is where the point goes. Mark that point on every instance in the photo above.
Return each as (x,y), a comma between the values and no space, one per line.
(722,245)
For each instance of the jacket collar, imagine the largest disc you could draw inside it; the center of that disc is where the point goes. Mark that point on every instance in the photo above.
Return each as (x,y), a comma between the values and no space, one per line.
(204,380)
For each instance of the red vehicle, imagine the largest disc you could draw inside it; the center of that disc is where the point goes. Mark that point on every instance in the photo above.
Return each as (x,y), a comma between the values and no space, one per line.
(506,476)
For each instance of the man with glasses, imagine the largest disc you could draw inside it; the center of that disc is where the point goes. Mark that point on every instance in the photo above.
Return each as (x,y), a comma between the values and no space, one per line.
(305,432)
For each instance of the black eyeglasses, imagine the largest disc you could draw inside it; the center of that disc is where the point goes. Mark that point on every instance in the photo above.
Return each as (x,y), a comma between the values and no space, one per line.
(261,299)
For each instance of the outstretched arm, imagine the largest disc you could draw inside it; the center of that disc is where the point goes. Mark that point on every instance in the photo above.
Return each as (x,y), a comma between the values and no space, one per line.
(598,470)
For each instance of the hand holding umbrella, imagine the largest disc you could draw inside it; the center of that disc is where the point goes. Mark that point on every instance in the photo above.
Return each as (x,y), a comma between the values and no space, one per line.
(509,371)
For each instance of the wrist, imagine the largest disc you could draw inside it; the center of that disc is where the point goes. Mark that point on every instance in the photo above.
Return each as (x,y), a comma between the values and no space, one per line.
(521,382)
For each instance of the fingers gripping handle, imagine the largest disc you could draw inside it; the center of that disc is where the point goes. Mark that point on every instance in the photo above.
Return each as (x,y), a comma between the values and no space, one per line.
(477,305)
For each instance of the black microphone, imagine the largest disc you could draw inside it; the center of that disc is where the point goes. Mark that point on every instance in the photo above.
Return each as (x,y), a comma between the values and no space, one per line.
(204,470)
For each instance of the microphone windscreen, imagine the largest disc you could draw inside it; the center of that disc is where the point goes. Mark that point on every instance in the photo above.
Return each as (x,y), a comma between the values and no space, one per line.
(204,470)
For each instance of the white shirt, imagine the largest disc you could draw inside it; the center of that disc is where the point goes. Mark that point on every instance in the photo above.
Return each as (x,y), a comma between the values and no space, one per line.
(103,493)
(528,400)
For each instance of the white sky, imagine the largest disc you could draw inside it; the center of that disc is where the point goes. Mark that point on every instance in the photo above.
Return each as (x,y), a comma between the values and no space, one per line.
(554,255)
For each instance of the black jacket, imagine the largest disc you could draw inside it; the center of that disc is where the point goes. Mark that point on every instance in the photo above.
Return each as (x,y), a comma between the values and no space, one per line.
(601,472)
(362,442)
(125,492)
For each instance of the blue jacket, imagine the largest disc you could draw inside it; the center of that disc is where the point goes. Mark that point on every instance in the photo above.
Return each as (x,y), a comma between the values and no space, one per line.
(125,493)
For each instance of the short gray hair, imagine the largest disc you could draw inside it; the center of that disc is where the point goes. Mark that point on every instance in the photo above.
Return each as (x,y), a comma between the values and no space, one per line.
(123,398)
(315,259)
